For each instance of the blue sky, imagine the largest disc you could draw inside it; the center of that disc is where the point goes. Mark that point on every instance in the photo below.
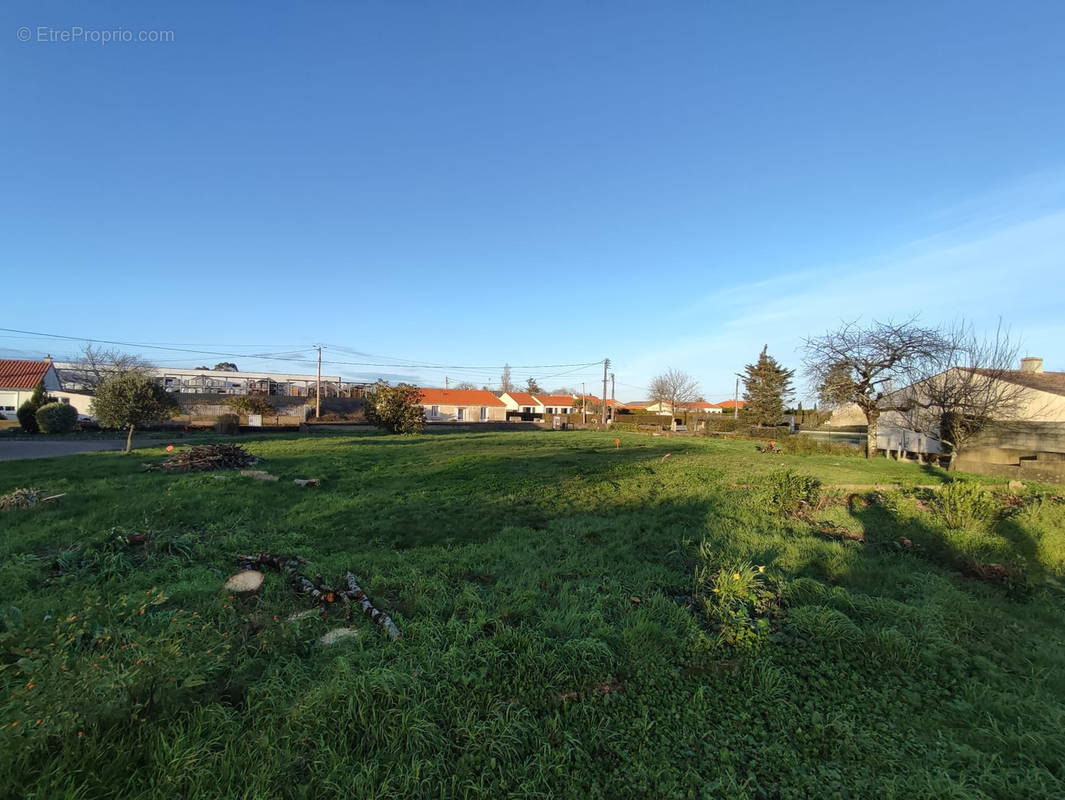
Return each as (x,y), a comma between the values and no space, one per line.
(468,184)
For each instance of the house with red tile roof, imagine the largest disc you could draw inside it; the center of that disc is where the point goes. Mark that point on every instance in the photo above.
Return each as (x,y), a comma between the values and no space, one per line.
(522,403)
(18,379)
(556,403)
(730,405)
(701,407)
(462,405)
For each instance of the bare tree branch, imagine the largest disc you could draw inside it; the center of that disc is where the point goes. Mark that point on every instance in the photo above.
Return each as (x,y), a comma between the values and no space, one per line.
(863,365)
(97,364)
(673,387)
(963,391)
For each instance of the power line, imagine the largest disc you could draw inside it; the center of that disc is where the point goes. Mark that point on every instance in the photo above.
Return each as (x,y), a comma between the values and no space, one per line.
(411,364)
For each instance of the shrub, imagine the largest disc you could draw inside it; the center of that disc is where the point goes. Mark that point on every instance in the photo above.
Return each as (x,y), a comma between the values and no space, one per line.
(57,417)
(27,417)
(738,599)
(227,423)
(252,404)
(396,409)
(661,420)
(961,505)
(722,423)
(789,492)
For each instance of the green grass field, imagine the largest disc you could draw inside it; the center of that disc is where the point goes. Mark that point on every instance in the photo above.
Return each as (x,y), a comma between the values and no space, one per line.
(578,621)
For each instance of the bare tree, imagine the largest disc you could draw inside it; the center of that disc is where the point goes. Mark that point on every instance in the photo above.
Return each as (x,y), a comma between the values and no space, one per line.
(968,387)
(465,385)
(505,383)
(673,387)
(97,364)
(863,365)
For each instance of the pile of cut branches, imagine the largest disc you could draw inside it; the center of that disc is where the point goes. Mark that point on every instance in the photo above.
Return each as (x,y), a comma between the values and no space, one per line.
(349,594)
(24,498)
(203,457)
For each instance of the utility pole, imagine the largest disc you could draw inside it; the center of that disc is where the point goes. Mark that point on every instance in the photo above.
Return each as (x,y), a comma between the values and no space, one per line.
(318,387)
(446,379)
(736,400)
(584,402)
(606,366)
(613,402)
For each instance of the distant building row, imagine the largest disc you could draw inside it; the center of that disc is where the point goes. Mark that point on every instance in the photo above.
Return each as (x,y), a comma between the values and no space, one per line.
(481,405)
(18,378)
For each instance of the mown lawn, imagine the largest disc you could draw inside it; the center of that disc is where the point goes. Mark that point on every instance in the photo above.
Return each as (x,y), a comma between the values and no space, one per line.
(571,627)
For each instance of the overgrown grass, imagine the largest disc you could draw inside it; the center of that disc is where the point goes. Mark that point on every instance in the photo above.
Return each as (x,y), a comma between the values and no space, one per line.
(561,633)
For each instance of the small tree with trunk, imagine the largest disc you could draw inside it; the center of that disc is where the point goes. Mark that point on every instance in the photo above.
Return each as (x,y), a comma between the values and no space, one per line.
(766,386)
(396,409)
(531,386)
(863,365)
(673,387)
(226,366)
(131,400)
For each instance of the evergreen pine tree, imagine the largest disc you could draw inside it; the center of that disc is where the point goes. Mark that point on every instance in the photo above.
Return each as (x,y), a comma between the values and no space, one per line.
(766,385)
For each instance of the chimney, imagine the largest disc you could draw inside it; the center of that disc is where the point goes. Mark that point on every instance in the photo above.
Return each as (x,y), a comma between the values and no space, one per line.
(48,358)
(1031,364)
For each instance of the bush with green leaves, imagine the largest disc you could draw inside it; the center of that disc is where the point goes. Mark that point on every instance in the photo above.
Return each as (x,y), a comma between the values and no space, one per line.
(131,399)
(56,418)
(790,492)
(962,504)
(27,412)
(799,445)
(737,599)
(250,404)
(396,409)
(27,417)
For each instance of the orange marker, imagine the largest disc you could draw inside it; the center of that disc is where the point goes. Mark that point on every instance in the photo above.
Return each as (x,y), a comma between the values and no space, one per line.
(617,444)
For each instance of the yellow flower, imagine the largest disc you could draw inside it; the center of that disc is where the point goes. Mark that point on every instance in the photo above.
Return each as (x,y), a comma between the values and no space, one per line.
(761,569)
(716,590)
(735,576)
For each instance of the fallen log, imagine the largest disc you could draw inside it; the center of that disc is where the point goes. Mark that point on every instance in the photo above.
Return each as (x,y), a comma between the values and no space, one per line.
(319,591)
(355,593)
(258,474)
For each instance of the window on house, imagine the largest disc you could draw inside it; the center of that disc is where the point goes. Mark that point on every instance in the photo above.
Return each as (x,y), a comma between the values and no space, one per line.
(484,413)
(526,409)
(460,414)
(434,411)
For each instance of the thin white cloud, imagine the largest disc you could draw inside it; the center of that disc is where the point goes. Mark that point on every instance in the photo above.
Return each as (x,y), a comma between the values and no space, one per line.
(982,272)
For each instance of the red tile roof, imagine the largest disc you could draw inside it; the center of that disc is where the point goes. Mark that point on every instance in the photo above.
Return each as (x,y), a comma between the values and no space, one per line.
(19,374)
(523,398)
(459,397)
(554,400)
(730,404)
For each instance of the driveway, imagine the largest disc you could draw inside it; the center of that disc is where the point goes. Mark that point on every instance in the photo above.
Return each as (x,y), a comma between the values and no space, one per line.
(32,448)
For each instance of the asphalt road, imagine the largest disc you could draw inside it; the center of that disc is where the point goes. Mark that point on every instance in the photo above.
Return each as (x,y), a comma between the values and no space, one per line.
(30,448)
